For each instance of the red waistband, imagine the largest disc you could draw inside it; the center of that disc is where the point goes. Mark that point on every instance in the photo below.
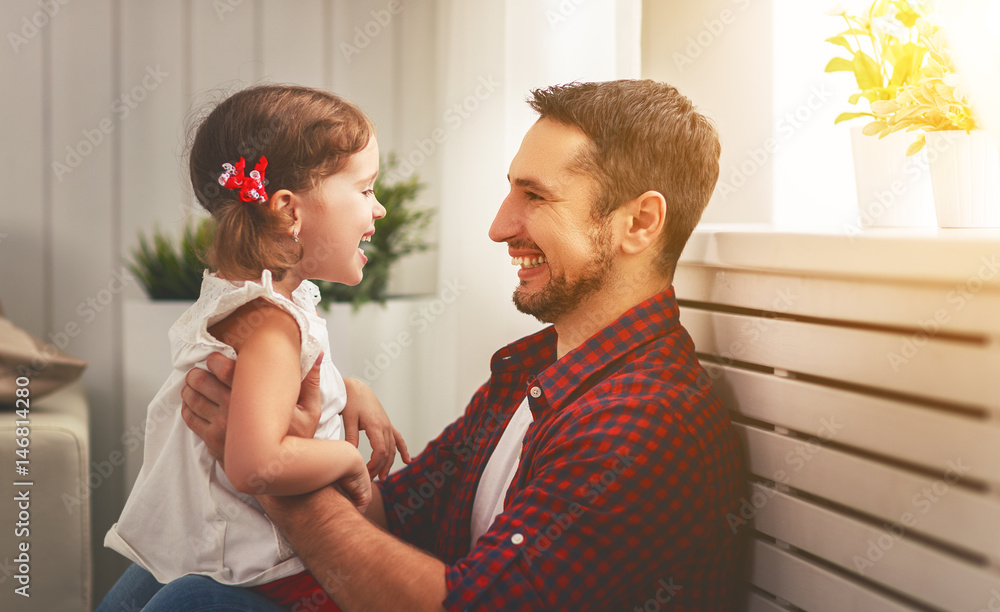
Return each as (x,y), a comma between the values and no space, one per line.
(300,592)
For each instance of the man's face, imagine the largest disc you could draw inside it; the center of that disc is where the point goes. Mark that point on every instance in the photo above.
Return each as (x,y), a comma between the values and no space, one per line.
(563,252)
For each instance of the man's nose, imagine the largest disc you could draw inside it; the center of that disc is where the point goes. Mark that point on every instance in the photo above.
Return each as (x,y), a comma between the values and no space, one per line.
(505,224)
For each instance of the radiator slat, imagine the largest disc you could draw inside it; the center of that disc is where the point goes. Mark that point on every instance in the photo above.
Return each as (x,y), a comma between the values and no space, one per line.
(810,587)
(900,430)
(885,554)
(935,368)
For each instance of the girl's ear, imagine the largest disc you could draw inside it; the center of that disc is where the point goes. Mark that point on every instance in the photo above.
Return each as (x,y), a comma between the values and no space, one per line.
(280,199)
(285,202)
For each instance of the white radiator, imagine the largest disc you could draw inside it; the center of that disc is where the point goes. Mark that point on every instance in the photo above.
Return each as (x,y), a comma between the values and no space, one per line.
(863,374)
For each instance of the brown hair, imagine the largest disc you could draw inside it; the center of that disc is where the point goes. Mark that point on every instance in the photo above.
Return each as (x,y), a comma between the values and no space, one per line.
(645,136)
(305,134)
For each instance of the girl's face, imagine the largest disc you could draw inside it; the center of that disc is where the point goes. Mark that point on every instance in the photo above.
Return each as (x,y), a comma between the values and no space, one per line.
(336,216)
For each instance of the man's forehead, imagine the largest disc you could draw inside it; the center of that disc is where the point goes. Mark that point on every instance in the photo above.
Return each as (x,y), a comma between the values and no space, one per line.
(550,153)
(551,136)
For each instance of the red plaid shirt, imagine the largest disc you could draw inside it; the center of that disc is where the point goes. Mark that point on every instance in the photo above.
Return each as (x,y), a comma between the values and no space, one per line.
(620,497)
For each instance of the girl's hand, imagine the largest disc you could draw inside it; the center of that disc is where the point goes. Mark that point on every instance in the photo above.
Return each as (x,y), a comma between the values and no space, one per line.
(357,486)
(364,411)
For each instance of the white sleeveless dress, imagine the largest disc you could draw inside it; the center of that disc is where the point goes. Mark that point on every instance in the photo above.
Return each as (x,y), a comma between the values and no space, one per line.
(183,515)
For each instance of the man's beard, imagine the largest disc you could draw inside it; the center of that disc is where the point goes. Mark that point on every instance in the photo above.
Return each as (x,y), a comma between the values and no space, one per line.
(561,296)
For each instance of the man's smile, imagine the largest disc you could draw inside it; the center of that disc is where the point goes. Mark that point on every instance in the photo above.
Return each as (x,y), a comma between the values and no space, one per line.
(528,262)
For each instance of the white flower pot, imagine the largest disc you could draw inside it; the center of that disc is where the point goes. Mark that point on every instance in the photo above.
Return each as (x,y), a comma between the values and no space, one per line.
(893,190)
(146,363)
(965,170)
(386,347)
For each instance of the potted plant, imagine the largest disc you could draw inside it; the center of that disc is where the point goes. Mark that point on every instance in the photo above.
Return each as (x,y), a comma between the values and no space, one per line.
(882,49)
(965,172)
(169,271)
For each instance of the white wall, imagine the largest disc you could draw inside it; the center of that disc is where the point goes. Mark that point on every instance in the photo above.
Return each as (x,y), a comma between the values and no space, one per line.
(718,53)
(813,162)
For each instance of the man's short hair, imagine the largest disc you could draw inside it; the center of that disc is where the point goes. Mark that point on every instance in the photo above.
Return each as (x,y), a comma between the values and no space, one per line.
(645,135)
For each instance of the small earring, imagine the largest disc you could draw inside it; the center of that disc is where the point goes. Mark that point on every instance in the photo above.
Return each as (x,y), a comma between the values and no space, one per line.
(295,235)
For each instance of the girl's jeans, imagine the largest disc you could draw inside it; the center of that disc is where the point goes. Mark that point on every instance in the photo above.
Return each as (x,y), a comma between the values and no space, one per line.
(137,591)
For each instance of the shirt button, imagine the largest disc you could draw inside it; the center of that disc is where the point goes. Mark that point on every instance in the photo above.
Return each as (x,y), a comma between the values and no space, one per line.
(517,538)
(535,392)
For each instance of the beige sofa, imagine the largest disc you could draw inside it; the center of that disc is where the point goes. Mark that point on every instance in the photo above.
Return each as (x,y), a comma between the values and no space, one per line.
(57,530)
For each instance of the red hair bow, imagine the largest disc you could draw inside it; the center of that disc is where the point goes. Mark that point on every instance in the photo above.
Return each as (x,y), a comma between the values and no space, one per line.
(251,187)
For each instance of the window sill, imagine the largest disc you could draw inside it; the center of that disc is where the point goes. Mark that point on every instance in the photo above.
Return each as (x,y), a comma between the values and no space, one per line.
(923,255)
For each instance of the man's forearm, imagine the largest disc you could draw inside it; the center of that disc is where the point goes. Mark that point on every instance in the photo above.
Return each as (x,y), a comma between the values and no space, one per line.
(362,566)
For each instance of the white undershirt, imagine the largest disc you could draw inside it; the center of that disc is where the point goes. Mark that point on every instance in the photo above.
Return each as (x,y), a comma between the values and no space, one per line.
(499,472)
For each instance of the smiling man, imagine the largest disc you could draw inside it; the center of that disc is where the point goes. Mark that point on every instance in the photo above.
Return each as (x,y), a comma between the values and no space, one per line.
(595,468)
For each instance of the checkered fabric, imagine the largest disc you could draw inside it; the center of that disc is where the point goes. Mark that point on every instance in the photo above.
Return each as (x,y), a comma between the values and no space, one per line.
(625,479)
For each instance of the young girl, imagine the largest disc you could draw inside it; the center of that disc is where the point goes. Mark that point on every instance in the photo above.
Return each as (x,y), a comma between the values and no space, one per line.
(300,212)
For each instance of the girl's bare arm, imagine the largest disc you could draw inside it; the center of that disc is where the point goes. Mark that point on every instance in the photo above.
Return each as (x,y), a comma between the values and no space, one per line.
(260,457)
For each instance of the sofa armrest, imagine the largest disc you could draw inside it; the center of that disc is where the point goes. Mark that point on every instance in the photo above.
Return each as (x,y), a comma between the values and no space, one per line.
(51,516)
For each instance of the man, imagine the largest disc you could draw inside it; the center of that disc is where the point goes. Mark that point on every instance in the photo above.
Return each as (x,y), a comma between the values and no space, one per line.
(595,468)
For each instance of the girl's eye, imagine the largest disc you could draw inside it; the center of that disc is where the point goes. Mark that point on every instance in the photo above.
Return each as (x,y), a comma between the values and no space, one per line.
(368,192)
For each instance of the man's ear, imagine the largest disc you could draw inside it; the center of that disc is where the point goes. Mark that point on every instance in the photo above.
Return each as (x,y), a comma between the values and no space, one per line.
(643,220)
(286,202)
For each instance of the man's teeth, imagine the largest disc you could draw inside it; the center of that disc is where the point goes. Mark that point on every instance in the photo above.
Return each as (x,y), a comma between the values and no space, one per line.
(528,262)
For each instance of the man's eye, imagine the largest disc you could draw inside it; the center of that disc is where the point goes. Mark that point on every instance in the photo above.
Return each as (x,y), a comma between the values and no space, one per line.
(532,196)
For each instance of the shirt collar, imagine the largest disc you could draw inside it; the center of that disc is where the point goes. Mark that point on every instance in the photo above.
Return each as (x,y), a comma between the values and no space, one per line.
(536,354)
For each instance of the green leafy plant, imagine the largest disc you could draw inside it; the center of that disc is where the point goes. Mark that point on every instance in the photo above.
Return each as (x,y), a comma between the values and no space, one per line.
(884,50)
(936,101)
(399,233)
(169,270)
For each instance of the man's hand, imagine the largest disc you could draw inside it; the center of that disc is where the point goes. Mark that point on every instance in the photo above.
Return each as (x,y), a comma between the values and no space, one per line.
(205,402)
(364,411)
(305,417)
(206,396)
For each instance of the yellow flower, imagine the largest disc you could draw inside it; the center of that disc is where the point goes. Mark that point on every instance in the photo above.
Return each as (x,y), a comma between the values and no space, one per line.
(936,101)
(883,49)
